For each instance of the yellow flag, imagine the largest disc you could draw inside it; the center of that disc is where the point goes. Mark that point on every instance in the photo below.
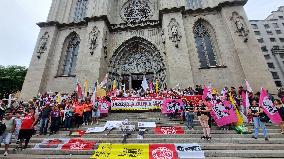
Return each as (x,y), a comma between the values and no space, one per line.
(122,151)
(86,88)
(114,85)
(157,85)
(58,98)
(240,118)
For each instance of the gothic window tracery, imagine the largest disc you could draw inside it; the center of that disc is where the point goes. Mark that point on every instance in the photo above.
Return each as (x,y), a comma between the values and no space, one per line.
(70,55)
(203,35)
(80,10)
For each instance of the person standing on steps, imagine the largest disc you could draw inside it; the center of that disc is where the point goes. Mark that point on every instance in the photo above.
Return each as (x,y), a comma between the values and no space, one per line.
(96,112)
(27,128)
(7,134)
(55,120)
(203,116)
(189,115)
(257,112)
(280,107)
(44,116)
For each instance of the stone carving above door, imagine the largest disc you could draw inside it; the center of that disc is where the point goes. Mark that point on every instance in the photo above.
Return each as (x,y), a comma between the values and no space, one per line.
(137,56)
(136,11)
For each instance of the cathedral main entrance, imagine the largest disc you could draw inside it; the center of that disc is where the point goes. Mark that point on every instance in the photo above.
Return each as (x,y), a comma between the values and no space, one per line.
(133,60)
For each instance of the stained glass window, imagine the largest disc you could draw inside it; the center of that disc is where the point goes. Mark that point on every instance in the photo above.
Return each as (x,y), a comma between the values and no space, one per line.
(204,45)
(70,55)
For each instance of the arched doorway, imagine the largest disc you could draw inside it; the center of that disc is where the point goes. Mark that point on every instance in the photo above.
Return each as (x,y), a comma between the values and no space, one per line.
(135,58)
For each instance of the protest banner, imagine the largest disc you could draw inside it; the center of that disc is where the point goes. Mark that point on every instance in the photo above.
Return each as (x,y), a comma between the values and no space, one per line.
(78,144)
(51,144)
(133,103)
(189,151)
(223,114)
(122,151)
(95,130)
(169,130)
(269,108)
(113,124)
(163,151)
(104,106)
(171,105)
(146,124)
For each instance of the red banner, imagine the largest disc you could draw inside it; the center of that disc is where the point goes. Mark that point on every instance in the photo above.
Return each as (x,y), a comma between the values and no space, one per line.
(78,144)
(169,130)
(163,151)
(194,99)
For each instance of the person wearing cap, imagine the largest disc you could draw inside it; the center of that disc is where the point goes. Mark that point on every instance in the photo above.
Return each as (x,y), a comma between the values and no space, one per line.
(7,134)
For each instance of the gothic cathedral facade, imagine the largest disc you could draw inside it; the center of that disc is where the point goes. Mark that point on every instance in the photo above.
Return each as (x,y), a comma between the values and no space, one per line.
(184,42)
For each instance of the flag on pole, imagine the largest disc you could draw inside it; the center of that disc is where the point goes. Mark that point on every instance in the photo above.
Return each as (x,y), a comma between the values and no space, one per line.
(86,88)
(79,90)
(268,107)
(249,89)
(240,118)
(104,82)
(10,100)
(144,83)
(157,86)
(114,85)
(58,98)
(151,86)
(94,92)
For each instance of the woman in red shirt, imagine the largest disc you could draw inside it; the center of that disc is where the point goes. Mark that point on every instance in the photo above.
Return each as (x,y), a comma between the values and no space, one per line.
(27,128)
(79,110)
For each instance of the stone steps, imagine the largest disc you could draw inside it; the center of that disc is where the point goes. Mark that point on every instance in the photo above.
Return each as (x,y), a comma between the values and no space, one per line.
(225,144)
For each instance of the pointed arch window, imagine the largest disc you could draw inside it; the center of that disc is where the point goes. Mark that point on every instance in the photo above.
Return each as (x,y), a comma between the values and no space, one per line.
(205,45)
(80,10)
(70,55)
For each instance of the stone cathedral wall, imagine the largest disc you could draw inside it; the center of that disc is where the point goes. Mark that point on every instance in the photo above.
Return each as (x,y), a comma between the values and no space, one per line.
(237,53)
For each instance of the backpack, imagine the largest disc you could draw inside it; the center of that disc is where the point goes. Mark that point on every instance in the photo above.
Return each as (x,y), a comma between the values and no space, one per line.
(2,128)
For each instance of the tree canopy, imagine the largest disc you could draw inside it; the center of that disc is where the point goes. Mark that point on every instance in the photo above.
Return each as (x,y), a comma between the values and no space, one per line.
(11,79)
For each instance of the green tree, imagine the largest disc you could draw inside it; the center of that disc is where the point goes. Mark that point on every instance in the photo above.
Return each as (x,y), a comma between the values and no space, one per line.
(11,79)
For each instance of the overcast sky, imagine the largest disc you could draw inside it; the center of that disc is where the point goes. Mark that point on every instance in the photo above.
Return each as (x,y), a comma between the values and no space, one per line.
(18,29)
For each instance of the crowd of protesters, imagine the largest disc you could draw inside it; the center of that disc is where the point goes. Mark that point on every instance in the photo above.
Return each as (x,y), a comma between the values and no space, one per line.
(47,113)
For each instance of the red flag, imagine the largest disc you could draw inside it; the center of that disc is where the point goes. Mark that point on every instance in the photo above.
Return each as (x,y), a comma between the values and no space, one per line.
(79,90)
(205,92)
(169,130)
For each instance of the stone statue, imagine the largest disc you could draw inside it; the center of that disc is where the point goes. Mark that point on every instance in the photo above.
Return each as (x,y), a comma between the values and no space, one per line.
(240,24)
(93,37)
(42,47)
(174,33)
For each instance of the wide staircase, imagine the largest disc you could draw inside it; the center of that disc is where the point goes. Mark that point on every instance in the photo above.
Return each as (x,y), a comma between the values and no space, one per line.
(225,144)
